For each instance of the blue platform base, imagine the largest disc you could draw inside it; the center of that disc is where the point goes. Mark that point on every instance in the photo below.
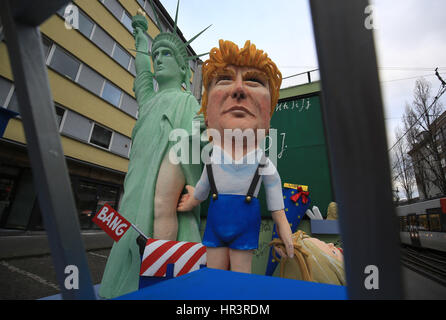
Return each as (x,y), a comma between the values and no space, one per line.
(212,284)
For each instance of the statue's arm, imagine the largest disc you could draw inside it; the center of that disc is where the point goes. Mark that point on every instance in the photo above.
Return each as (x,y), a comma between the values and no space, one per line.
(143,85)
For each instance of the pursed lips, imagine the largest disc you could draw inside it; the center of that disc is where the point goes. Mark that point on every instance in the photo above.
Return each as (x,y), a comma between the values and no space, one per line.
(238,108)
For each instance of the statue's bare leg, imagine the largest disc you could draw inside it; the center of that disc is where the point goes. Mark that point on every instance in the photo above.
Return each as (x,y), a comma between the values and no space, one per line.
(169,185)
(240,260)
(217,258)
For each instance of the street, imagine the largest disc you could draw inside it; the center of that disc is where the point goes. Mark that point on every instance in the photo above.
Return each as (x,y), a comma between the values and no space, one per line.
(30,278)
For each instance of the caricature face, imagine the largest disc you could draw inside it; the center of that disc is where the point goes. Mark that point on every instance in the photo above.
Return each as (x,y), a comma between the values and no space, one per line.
(239,98)
(328,248)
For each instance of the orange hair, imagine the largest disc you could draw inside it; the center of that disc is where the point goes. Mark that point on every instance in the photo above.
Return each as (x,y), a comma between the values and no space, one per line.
(230,54)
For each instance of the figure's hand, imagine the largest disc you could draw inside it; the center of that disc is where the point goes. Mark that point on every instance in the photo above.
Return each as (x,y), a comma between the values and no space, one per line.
(285,234)
(141,42)
(187,201)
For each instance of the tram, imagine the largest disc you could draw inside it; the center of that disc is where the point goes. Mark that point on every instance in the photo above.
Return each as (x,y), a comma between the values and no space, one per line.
(423,224)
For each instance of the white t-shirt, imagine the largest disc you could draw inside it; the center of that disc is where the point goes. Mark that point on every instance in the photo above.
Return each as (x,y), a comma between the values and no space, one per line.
(235,177)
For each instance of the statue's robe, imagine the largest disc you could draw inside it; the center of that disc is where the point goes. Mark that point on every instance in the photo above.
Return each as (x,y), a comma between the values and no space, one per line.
(159,114)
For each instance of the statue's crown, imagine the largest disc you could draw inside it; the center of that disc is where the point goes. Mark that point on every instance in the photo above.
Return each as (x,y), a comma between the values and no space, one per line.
(167,38)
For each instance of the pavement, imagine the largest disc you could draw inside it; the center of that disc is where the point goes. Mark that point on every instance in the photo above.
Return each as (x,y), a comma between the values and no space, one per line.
(26,266)
(30,278)
(418,287)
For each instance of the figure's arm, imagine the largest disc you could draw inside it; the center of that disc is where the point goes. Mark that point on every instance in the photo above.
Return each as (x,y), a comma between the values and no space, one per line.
(274,200)
(143,85)
(284,232)
(142,59)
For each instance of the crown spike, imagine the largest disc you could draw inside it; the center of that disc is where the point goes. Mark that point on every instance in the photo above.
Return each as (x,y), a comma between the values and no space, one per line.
(196,56)
(176,17)
(195,37)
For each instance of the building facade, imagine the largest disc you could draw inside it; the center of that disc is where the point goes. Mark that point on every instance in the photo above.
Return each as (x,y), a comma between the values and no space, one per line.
(91,72)
(430,166)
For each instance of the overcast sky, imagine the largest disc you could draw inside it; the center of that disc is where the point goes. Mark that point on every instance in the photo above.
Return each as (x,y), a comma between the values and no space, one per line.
(410,39)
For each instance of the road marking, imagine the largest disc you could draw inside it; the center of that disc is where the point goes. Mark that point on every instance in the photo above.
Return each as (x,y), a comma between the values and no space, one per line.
(29,274)
(98,255)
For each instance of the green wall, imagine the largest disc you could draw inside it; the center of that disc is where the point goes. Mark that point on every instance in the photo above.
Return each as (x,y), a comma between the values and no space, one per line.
(302,151)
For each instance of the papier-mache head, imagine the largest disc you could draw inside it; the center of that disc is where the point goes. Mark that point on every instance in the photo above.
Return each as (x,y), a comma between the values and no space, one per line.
(229,53)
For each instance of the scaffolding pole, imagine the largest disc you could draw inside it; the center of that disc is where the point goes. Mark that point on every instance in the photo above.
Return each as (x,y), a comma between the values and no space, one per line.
(20,20)
(356,136)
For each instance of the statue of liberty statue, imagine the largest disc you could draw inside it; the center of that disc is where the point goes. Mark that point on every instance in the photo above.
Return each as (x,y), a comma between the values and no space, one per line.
(153,184)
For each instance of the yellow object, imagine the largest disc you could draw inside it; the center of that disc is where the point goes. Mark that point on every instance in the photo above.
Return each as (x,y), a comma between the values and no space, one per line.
(310,261)
(332,211)
(295,186)
(141,12)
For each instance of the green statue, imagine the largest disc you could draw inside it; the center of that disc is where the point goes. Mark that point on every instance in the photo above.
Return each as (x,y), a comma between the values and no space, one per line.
(153,184)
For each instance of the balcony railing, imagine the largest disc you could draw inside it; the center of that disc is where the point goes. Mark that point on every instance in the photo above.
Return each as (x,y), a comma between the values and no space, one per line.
(301,78)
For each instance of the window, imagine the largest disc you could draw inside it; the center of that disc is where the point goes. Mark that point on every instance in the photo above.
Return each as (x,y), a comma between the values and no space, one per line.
(46,46)
(129,105)
(150,41)
(121,56)
(132,66)
(111,94)
(109,195)
(13,102)
(64,63)
(8,185)
(118,11)
(5,89)
(141,3)
(76,126)
(413,221)
(120,145)
(103,40)
(127,21)
(91,80)
(403,224)
(90,196)
(423,223)
(435,222)
(86,202)
(148,9)
(59,115)
(114,7)
(85,25)
(101,136)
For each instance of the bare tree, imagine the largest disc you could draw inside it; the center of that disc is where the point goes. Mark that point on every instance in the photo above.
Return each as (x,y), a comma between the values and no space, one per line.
(413,135)
(403,171)
(420,122)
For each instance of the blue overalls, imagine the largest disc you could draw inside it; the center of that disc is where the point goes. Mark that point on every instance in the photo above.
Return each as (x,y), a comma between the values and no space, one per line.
(233,220)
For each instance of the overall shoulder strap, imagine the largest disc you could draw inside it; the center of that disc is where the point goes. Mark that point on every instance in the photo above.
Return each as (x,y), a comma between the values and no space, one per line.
(211,177)
(255,179)
(212,181)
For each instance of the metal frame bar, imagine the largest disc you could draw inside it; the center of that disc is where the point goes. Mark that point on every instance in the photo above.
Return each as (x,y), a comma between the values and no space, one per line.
(20,20)
(356,138)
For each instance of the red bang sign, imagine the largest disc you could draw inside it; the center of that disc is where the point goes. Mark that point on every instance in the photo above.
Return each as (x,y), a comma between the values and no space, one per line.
(111,222)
